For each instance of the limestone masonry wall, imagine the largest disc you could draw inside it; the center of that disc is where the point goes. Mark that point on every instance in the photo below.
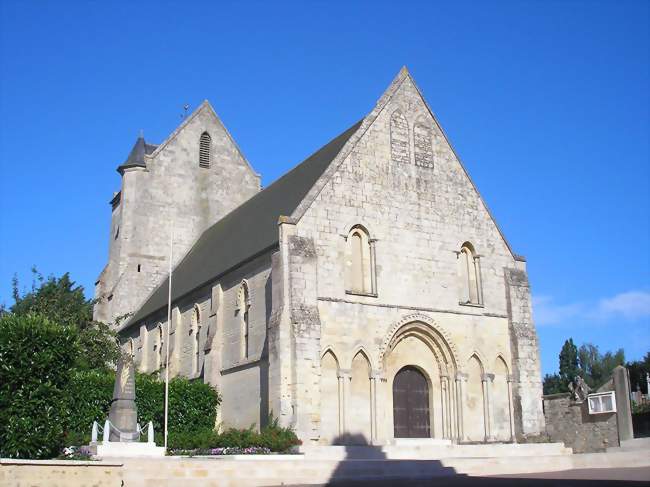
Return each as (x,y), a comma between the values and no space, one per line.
(570,422)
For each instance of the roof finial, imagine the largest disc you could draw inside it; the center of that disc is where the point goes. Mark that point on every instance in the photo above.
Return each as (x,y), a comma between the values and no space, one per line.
(141,134)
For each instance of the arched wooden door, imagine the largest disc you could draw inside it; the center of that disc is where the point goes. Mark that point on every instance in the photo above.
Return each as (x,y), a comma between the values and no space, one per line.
(411,404)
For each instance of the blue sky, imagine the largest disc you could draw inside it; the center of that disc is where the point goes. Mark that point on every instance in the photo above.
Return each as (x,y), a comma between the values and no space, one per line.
(546,103)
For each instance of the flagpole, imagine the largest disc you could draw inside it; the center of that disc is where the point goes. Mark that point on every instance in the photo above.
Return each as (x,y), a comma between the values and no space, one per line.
(169,325)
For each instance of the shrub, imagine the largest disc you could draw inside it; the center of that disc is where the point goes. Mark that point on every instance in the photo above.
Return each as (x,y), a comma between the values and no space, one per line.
(192,404)
(88,399)
(189,440)
(36,356)
(272,437)
(277,438)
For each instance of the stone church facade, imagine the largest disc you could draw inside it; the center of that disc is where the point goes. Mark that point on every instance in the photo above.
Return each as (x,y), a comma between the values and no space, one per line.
(366,295)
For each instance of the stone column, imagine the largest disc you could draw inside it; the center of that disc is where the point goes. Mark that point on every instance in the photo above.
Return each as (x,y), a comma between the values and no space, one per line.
(341,403)
(373,408)
(444,406)
(461,379)
(346,377)
(510,411)
(487,379)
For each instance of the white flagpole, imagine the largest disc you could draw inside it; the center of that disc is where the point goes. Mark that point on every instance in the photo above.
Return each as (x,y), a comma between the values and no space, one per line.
(169,325)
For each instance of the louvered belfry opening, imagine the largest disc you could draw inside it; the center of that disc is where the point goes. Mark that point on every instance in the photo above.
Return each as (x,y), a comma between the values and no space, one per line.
(204,150)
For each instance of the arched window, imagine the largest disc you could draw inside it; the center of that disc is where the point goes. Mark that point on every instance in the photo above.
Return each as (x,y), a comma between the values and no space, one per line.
(470,275)
(204,150)
(160,342)
(360,258)
(242,310)
(195,330)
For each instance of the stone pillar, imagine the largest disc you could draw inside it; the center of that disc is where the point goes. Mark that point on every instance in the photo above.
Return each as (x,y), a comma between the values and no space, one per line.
(510,411)
(346,378)
(623,404)
(373,409)
(305,334)
(279,333)
(524,345)
(461,379)
(341,403)
(487,379)
(443,406)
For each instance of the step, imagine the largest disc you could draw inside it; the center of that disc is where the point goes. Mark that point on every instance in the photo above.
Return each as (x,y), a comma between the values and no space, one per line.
(433,451)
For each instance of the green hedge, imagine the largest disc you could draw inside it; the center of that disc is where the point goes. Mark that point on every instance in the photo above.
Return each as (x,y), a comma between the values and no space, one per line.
(192,404)
(36,357)
(273,437)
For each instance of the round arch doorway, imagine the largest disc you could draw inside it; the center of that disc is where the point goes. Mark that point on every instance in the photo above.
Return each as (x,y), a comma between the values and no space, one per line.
(411,417)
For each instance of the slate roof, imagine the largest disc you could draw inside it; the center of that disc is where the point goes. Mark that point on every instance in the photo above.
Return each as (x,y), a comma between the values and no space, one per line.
(136,156)
(247,231)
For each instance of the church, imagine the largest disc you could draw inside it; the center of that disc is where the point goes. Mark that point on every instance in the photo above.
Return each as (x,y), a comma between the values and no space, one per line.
(365,296)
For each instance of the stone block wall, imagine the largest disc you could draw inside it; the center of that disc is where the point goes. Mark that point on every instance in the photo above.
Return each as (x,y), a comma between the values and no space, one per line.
(570,422)
(171,189)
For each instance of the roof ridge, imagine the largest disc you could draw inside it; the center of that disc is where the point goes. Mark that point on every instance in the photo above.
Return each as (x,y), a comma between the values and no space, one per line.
(244,232)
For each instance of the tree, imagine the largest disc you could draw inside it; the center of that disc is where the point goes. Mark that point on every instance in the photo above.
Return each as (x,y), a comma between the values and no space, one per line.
(553,384)
(596,368)
(64,303)
(568,363)
(638,370)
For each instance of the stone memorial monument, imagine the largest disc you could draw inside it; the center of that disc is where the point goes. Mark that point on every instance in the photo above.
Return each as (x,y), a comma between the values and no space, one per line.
(121,434)
(123,414)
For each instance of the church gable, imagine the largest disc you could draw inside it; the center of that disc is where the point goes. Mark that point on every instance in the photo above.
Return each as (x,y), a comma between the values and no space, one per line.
(202,142)
(400,177)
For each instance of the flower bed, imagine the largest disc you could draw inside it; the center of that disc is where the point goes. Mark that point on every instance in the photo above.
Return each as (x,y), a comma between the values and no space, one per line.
(75,453)
(229,450)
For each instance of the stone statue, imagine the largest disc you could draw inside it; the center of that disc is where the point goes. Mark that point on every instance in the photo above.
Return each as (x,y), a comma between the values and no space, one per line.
(123,414)
(579,389)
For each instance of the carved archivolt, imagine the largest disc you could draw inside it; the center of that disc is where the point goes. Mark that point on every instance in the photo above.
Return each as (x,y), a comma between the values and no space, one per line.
(427,329)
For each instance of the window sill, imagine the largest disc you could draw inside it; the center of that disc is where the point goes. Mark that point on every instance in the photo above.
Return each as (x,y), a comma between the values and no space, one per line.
(242,364)
(359,293)
(472,305)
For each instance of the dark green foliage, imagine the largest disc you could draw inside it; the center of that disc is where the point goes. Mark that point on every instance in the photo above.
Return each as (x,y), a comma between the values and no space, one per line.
(64,303)
(57,298)
(36,358)
(276,438)
(190,440)
(638,370)
(273,437)
(553,384)
(89,398)
(596,368)
(192,405)
(568,363)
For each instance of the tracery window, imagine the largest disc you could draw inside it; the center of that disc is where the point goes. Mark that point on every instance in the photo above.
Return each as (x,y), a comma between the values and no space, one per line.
(470,275)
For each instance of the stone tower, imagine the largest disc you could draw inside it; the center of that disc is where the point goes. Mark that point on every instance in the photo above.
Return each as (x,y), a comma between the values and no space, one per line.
(191,180)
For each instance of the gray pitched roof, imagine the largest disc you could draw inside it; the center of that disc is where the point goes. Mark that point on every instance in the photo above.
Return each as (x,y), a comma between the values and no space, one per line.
(136,156)
(247,231)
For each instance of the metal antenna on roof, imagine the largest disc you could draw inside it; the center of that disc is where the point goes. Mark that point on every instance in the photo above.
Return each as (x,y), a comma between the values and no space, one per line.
(186,107)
